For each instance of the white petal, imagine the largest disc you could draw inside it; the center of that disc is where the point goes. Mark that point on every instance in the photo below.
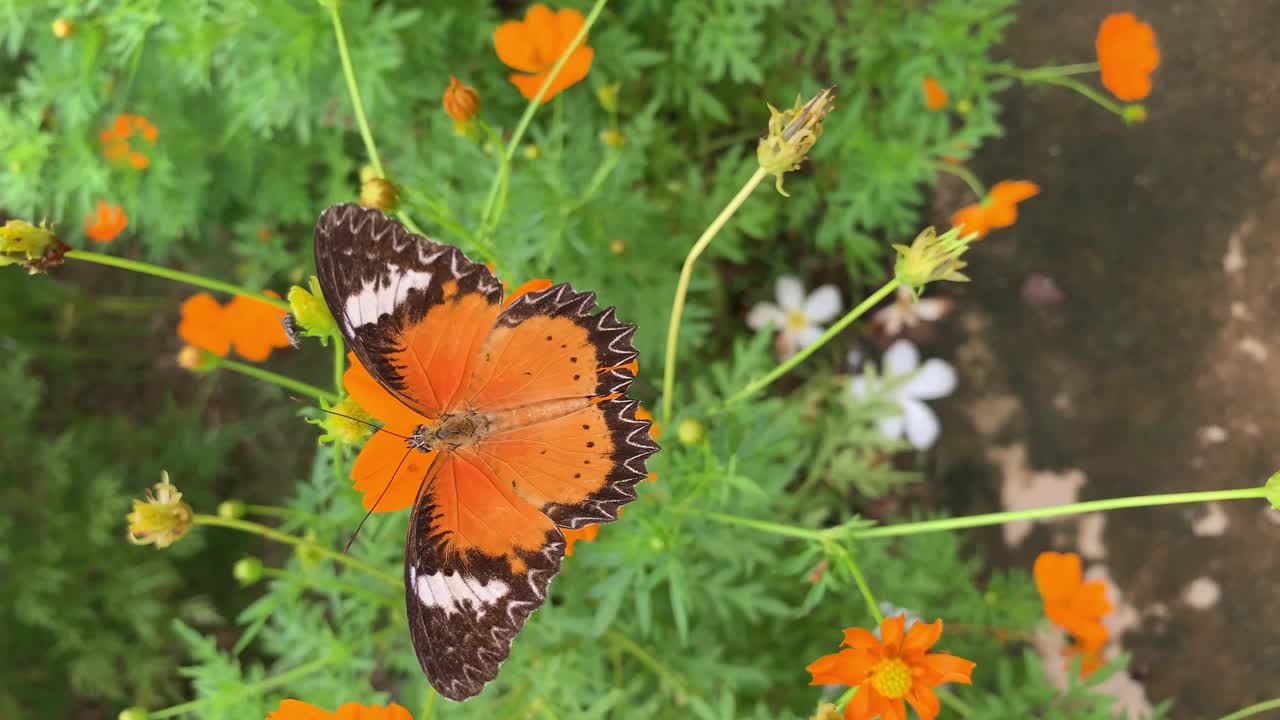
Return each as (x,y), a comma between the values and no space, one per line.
(932,309)
(890,319)
(806,336)
(891,427)
(901,358)
(790,292)
(922,425)
(935,379)
(763,314)
(823,304)
(858,386)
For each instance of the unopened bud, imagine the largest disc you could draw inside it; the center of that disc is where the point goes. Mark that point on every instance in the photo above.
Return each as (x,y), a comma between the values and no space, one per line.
(792,134)
(461,102)
(310,311)
(691,431)
(63,28)
(231,509)
(379,194)
(247,571)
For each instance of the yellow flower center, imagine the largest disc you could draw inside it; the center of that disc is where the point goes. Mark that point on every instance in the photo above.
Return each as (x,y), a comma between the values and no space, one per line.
(796,320)
(891,678)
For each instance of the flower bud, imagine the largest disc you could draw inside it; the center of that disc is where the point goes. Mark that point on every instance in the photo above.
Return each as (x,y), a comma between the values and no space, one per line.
(34,247)
(63,28)
(792,134)
(346,423)
(931,258)
(613,137)
(691,431)
(231,509)
(618,247)
(311,313)
(162,519)
(1134,114)
(461,102)
(247,571)
(133,713)
(379,194)
(306,552)
(531,152)
(367,173)
(607,94)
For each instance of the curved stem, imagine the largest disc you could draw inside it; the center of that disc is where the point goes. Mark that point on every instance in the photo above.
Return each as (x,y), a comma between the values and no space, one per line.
(431,703)
(756,385)
(175,275)
(964,174)
(1253,710)
(861,582)
(247,689)
(487,217)
(287,383)
(1029,77)
(271,534)
(1059,70)
(357,105)
(682,287)
(954,702)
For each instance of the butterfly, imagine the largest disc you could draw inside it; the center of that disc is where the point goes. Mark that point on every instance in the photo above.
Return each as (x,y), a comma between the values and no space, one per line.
(530,431)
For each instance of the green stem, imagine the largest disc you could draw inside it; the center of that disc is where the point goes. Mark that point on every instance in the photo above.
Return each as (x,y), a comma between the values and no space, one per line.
(954,702)
(176,275)
(861,582)
(963,173)
(395,602)
(1070,83)
(487,219)
(339,366)
(274,378)
(762,525)
(1058,70)
(357,105)
(648,660)
(431,703)
(761,383)
(270,534)
(246,690)
(1253,710)
(682,287)
(1000,518)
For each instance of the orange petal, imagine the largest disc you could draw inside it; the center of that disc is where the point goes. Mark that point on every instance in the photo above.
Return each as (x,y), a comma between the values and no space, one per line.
(860,706)
(945,667)
(515,47)
(298,710)
(1008,192)
(123,126)
(921,637)
(382,455)
(935,96)
(567,24)
(203,324)
(356,711)
(894,709)
(376,401)
(1090,636)
(138,160)
(847,667)
(531,286)
(1058,575)
(924,701)
(540,26)
(575,68)
(1091,599)
(891,632)
(861,639)
(972,218)
(256,327)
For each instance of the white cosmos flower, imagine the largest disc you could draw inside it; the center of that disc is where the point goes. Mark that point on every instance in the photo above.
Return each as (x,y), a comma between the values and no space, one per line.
(905,312)
(908,384)
(798,319)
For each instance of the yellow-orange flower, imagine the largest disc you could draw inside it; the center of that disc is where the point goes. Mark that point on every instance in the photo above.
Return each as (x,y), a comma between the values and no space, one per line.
(461,102)
(892,670)
(106,222)
(116,140)
(298,710)
(256,327)
(998,210)
(1074,605)
(1128,55)
(935,96)
(533,46)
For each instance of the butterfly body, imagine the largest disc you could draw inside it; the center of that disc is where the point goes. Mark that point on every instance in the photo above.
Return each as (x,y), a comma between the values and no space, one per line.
(514,425)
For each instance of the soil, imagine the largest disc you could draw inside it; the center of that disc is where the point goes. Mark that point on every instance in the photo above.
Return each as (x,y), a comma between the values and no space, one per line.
(1156,372)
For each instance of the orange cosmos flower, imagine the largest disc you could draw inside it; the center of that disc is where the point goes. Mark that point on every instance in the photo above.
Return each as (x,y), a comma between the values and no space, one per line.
(116,143)
(384,451)
(1074,605)
(106,222)
(298,710)
(534,45)
(1128,55)
(203,324)
(256,327)
(892,670)
(461,102)
(998,210)
(935,96)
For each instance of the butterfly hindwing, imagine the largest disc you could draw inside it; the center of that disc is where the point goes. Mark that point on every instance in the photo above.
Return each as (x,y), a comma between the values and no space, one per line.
(478,561)
(414,311)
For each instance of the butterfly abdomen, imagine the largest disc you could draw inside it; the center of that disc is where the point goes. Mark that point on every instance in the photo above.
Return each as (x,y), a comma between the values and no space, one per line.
(534,413)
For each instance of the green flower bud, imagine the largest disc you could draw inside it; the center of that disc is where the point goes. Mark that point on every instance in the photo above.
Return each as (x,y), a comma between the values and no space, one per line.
(691,431)
(792,134)
(931,258)
(247,571)
(231,509)
(347,423)
(379,194)
(1135,114)
(311,312)
(133,713)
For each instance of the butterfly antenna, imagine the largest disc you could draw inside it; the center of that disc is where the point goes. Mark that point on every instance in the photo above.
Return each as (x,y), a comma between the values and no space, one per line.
(375,426)
(381,495)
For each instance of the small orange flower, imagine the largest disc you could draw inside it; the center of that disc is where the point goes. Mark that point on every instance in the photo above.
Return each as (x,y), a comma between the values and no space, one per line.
(204,324)
(1074,605)
(935,96)
(116,145)
(461,102)
(533,46)
(892,670)
(256,327)
(298,710)
(106,222)
(1128,55)
(998,210)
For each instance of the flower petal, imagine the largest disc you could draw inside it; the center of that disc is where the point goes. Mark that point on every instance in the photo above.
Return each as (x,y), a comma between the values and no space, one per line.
(805,336)
(891,632)
(376,401)
(935,379)
(924,701)
(823,304)
(932,309)
(1011,192)
(847,667)
(204,324)
(298,710)
(575,68)
(515,47)
(790,292)
(1058,575)
(945,667)
(765,313)
(540,27)
(256,327)
(567,24)
(896,710)
(921,636)
(860,638)
(1091,599)
(972,219)
(356,711)
(901,358)
(892,427)
(859,706)
(922,425)
(381,456)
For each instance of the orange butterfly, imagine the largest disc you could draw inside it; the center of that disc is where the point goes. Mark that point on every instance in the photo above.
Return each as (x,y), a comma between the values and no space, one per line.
(530,431)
